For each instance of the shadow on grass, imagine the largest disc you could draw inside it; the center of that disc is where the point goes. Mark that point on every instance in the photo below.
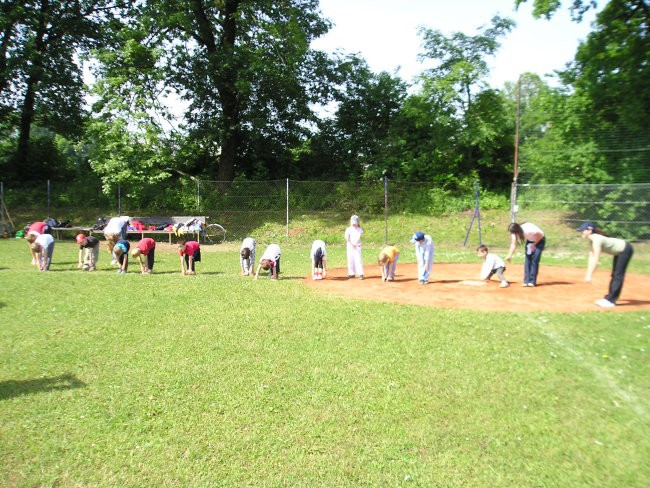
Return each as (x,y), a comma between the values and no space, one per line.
(12,388)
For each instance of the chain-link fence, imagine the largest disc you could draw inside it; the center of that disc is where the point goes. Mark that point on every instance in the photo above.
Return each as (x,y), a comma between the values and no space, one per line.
(304,209)
(623,210)
(281,207)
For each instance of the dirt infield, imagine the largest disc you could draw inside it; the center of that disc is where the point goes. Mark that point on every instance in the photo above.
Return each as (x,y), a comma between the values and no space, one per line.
(559,289)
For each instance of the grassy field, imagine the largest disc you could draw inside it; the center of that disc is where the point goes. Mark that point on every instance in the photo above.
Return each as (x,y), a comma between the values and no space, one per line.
(217,380)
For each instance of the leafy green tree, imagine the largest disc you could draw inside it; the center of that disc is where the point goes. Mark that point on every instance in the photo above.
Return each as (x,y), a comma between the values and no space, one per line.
(471,116)
(610,73)
(246,70)
(41,44)
(353,141)
(546,8)
(131,139)
(553,148)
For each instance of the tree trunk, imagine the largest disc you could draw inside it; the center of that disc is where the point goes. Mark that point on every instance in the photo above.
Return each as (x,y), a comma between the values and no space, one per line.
(26,117)
(224,76)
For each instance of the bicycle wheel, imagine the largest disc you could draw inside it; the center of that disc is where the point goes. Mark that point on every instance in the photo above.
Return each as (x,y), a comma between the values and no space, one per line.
(214,234)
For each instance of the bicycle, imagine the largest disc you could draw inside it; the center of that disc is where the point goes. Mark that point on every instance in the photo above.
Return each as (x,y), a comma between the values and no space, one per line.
(214,234)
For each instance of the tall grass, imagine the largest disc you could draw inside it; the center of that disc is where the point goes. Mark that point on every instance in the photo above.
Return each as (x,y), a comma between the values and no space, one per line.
(217,380)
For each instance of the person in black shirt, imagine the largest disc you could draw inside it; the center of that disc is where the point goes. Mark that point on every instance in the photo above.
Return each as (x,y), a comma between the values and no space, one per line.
(89,249)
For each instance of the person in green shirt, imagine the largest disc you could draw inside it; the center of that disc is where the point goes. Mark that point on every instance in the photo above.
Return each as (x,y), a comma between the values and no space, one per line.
(620,249)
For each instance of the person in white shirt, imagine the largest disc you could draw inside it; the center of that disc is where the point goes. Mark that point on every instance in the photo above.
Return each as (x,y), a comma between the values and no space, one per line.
(535,241)
(247,256)
(43,248)
(353,248)
(492,264)
(270,261)
(318,256)
(424,252)
(620,249)
(115,230)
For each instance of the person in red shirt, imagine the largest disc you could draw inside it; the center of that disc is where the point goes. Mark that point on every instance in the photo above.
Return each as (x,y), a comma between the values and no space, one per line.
(146,247)
(190,253)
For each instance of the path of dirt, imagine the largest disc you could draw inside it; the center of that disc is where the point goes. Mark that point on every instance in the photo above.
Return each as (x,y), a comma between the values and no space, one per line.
(560,289)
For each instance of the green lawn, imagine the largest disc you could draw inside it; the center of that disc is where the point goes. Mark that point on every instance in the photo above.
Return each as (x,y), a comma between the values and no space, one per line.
(216,380)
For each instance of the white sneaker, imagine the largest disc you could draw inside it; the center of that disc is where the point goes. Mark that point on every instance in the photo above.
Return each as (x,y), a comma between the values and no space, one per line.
(504,284)
(603,302)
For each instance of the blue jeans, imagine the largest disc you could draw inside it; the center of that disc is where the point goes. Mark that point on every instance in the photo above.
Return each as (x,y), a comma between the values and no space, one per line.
(618,273)
(531,263)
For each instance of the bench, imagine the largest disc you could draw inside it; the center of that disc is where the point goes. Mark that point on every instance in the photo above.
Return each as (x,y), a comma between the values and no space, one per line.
(158,221)
(77,230)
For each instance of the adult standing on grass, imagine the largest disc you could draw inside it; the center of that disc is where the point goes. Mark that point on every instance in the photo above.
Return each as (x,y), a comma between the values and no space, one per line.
(121,253)
(89,247)
(145,247)
(270,261)
(353,248)
(318,256)
(43,248)
(387,261)
(190,253)
(533,238)
(424,252)
(115,230)
(247,256)
(620,249)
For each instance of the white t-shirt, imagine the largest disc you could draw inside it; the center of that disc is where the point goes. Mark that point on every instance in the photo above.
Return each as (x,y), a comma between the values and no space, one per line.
(353,235)
(249,242)
(114,226)
(44,240)
(272,253)
(492,262)
(315,246)
(530,231)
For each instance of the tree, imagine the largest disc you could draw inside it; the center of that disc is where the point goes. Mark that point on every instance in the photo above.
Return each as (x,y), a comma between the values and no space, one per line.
(546,8)
(40,72)
(246,70)
(351,143)
(456,87)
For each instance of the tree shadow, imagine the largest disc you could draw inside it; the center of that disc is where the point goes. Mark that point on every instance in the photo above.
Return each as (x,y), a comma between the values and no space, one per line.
(13,388)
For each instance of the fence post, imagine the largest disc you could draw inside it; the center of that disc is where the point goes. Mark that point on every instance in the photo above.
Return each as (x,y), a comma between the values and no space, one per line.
(385,210)
(287,208)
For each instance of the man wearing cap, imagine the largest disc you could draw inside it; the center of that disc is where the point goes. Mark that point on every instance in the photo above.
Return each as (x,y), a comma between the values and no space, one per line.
(424,251)
(89,248)
(620,249)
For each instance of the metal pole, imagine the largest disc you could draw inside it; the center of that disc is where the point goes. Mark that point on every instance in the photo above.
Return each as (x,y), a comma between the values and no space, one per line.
(49,195)
(119,201)
(287,208)
(198,197)
(385,210)
(515,173)
(478,213)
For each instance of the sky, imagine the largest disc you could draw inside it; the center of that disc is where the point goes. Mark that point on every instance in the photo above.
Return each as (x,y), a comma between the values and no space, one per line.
(385,34)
